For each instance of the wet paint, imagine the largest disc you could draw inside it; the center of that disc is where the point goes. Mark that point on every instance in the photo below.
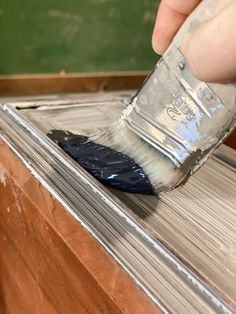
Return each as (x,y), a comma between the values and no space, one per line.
(110,167)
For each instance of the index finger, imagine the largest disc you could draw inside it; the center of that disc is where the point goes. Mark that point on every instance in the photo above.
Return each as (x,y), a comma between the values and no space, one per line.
(171,15)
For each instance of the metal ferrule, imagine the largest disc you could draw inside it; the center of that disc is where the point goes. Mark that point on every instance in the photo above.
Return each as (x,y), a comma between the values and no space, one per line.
(179,115)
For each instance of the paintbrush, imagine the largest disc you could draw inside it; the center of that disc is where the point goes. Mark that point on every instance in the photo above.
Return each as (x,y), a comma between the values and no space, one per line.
(167,131)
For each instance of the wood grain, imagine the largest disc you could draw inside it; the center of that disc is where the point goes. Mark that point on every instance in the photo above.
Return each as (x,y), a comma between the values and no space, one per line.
(72,272)
(19,292)
(196,222)
(16,85)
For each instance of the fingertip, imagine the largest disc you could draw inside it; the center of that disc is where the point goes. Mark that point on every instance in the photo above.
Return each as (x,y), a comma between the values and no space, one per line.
(158,45)
(167,24)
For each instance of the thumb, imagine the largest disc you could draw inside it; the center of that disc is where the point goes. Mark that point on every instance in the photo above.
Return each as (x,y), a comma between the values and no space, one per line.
(211,50)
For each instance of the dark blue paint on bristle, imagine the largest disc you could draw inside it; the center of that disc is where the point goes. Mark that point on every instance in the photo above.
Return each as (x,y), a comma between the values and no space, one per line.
(105,164)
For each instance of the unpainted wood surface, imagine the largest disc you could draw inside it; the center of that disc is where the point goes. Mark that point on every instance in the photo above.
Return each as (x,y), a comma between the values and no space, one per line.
(17,85)
(49,263)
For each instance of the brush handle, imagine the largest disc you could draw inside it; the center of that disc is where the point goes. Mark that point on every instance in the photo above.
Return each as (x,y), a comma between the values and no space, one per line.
(180,116)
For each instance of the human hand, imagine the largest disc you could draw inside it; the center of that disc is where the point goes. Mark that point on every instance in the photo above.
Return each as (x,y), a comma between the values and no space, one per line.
(211,50)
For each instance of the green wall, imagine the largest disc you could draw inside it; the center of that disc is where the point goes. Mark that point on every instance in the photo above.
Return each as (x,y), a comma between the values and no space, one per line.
(45,36)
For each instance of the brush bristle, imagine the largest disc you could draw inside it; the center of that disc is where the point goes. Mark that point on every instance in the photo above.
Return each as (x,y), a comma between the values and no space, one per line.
(162,173)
